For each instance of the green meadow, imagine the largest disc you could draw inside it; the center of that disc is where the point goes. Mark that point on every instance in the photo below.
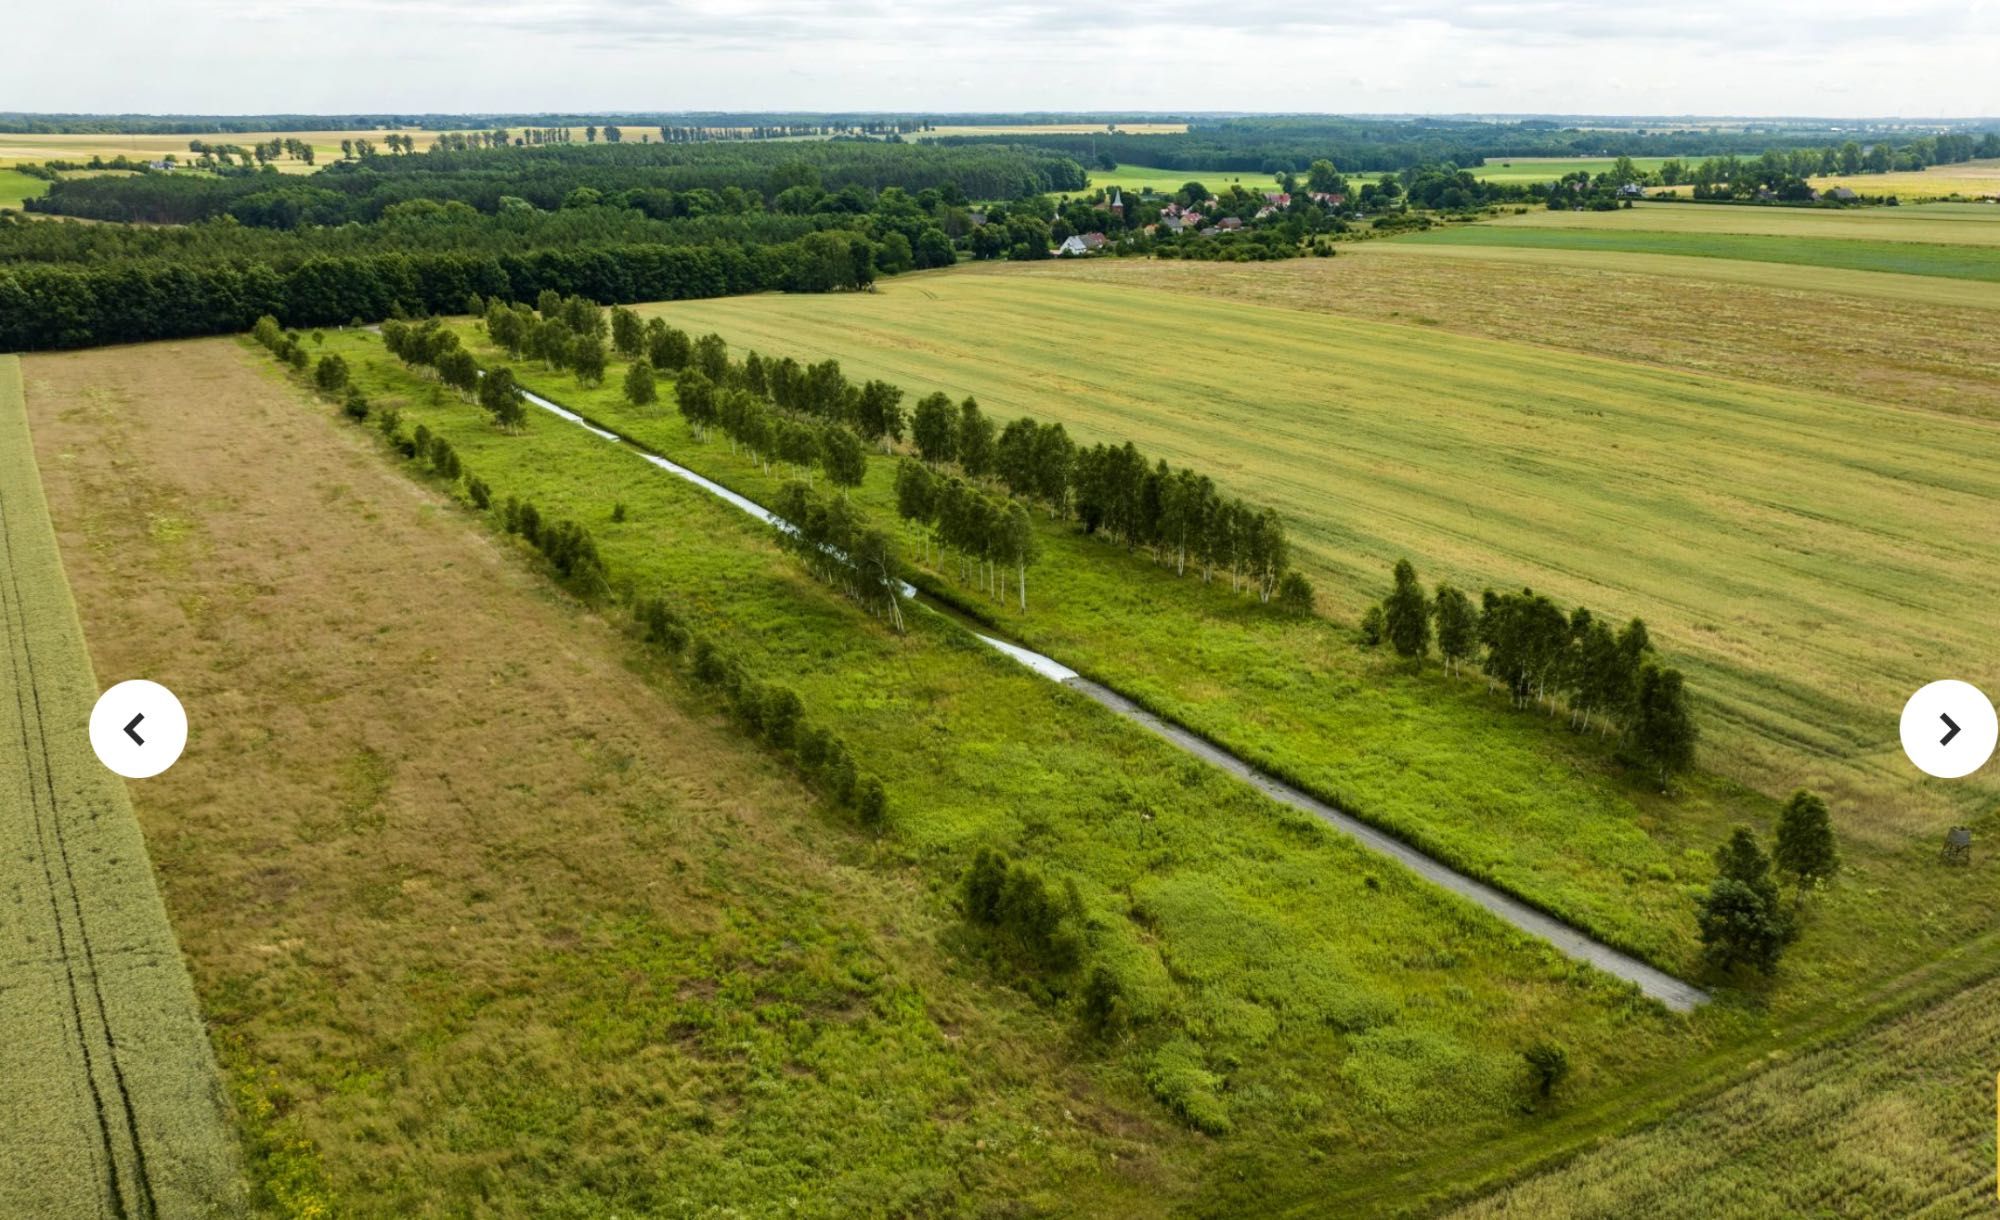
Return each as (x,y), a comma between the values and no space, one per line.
(17,187)
(1321,1012)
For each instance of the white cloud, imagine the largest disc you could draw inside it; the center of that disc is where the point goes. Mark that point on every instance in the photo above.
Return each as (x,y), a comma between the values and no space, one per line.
(1492,56)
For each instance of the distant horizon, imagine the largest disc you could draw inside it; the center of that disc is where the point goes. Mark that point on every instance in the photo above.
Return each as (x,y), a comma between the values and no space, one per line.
(1837,58)
(1050,114)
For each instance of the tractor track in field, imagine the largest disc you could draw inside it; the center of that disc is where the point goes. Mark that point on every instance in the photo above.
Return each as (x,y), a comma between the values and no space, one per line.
(118,1143)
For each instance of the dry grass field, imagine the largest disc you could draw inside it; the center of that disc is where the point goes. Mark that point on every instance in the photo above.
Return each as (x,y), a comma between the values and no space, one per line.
(478,909)
(109,1100)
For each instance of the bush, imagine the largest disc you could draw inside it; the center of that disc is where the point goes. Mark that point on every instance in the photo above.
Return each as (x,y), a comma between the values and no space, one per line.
(1295,593)
(1015,904)
(1102,1007)
(660,625)
(1179,1078)
(330,374)
(871,803)
(355,405)
(482,495)
(1373,625)
(1548,1064)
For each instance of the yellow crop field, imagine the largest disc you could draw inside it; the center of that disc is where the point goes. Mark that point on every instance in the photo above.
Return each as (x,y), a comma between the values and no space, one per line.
(1974,178)
(34,148)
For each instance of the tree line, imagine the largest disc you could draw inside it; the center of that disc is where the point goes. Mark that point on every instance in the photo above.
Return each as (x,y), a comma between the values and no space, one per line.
(1604,676)
(47,306)
(771,712)
(1178,517)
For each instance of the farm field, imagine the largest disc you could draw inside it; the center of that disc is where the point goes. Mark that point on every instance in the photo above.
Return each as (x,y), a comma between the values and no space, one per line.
(1973,178)
(1050,129)
(1952,224)
(1526,170)
(110,1093)
(1167,181)
(1206,915)
(457,874)
(16,187)
(1916,341)
(1897,1121)
(1967,253)
(36,147)
(1801,522)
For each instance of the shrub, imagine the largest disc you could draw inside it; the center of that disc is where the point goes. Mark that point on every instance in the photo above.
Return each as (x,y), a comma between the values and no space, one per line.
(482,495)
(1295,593)
(871,803)
(355,405)
(1102,1007)
(1372,626)
(1180,1079)
(1548,1064)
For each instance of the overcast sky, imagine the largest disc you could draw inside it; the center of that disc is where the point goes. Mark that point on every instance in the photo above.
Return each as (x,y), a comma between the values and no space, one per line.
(1735,57)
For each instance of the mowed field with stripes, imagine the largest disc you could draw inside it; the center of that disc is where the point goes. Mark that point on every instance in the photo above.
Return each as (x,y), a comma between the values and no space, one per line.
(1787,470)
(109,1100)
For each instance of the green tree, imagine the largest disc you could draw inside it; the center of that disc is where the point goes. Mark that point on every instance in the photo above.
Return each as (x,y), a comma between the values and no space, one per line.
(1406,614)
(1805,850)
(500,394)
(1457,625)
(1740,920)
(640,389)
(1663,729)
(934,427)
(330,374)
(974,443)
(842,454)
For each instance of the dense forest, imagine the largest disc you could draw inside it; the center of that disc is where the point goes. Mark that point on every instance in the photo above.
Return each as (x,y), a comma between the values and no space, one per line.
(1270,145)
(661,180)
(415,234)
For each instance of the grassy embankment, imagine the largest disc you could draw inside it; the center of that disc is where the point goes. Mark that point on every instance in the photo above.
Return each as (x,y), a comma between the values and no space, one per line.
(110,1095)
(1351,1018)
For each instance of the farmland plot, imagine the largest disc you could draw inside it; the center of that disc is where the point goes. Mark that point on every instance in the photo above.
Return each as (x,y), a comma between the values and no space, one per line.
(109,1099)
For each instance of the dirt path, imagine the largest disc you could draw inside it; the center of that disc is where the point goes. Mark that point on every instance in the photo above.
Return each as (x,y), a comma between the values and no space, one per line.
(109,1100)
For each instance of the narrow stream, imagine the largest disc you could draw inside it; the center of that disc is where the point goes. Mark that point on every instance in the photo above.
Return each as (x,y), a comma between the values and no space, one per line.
(1668,990)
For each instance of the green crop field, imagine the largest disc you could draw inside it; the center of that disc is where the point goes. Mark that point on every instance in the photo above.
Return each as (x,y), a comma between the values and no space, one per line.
(1524,170)
(1252,941)
(1168,181)
(106,1077)
(15,187)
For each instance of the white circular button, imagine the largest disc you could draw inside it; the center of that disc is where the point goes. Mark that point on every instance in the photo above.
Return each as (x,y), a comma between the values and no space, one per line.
(1949,729)
(138,728)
